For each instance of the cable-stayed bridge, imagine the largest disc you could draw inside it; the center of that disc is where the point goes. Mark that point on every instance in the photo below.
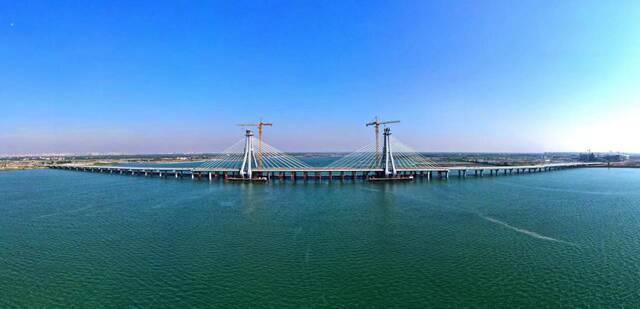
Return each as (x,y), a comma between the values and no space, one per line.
(243,161)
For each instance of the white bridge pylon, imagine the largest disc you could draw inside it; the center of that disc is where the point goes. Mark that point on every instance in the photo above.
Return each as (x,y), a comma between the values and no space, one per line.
(249,158)
(387,155)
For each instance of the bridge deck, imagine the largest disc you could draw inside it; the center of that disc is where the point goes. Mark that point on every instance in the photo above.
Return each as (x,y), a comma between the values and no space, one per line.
(191,170)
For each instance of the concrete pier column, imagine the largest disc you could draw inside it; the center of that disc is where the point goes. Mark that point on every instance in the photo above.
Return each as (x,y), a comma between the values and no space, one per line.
(210,176)
(304,176)
(353,175)
(160,173)
(342,175)
(193,176)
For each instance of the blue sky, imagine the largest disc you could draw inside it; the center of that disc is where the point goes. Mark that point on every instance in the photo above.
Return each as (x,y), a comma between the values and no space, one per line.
(176,76)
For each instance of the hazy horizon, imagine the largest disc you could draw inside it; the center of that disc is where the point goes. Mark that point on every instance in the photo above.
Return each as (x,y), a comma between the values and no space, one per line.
(163,77)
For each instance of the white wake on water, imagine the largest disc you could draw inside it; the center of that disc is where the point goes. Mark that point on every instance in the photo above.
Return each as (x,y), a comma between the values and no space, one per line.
(526,232)
(490,219)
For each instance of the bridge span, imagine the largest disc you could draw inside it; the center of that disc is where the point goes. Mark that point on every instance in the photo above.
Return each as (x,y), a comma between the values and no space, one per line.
(319,173)
(395,161)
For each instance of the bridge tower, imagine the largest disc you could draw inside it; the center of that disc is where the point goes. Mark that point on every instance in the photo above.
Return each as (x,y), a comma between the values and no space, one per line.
(389,164)
(249,159)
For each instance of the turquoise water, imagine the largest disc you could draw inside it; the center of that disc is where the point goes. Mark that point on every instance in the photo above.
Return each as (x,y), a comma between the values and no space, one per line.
(560,239)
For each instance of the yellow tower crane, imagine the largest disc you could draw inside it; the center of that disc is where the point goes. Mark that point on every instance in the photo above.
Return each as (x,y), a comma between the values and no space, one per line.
(260,126)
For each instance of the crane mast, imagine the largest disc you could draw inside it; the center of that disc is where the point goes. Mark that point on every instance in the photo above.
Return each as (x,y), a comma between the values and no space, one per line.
(376,126)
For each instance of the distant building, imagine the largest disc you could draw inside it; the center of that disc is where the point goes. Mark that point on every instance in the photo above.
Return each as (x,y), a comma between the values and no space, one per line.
(587,157)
